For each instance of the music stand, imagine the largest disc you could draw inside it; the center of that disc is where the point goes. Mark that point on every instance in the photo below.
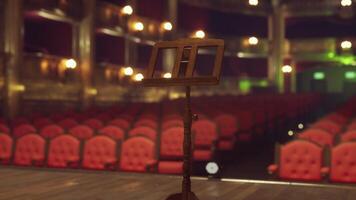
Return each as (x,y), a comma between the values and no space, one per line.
(183,75)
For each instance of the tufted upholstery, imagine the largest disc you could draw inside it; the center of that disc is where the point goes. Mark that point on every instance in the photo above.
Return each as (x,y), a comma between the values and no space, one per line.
(30,148)
(227,125)
(172,143)
(172,123)
(99,152)
(136,154)
(41,122)
(113,131)
(144,131)
(343,163)
(204,133)
(120,122)
(4,129)
(318,136)
(328,126)
(51,131)
(24,129)
(63,150)
(300,160)
(81,132)
(68,123)
(94,123)
(6,143)
(146,122)
(348,136)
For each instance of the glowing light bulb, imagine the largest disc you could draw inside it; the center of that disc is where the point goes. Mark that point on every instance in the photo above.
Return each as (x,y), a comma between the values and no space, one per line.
(300,126)
(128,71)
(290,133)
(70,64)
(287,69)
(212,168)
(167,75)
(253,41)
(199,34)
(138,26)
(253,2)
(346,44)
(127,10)
(167,26)
(345,3)
(138,77)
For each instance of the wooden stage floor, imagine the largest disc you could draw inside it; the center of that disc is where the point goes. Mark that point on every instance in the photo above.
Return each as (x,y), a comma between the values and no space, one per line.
(44,184)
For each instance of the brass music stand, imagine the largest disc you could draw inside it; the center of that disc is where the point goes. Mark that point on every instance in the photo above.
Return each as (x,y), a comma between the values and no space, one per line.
(183,75)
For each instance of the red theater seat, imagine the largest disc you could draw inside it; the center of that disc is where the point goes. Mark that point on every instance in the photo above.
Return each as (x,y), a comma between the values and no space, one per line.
(51,131)
(19,121)
(228,127)
(68,123)
(81,132)
(6,144)
(146,122)
(30,150)
(120,122)
(94,123)
(205,136)
(328,126)
(114,132)
(137,154)
(144,131)
(4,129)
(64,152)
(352,126)
(299,160)
(348,136)
(23,129)
(343,163)
(172,123)
(100,152)
(41,122)
(171,151)
(318,136)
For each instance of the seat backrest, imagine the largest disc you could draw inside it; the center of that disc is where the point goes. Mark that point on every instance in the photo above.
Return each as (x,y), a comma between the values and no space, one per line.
(136,153)
(113,131)
(81,132)
(227,124)
(172,123)
(144,131)
(41,122)
(67,123)
(51,131)
(94,123)
(300,160)
(4,128)
(6,143)
(30,148)
(23,129)
(328,126)
(343,163)
(348,136)
(318,136)
(120,122)
(99,151)
(146,122)
(63,150)
(171,145)
(352,126)
(205,133)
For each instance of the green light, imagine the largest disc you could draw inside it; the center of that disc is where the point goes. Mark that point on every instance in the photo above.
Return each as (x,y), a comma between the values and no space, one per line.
(331,54)
(318,75)
(350,75)
(245,86)
(347,60)
(263,83)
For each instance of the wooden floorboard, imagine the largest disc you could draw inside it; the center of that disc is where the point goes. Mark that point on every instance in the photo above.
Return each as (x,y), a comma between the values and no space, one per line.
(45,184)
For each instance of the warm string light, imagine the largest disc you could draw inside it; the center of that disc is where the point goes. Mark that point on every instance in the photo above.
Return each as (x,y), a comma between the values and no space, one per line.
(287,69)
(127,10)
(138,77)
(167,26)
(167,75)
(70,64)
(346,44)
(253,40)
(138,26)
(253,2)
(346,3)
(128,71)
(199,34)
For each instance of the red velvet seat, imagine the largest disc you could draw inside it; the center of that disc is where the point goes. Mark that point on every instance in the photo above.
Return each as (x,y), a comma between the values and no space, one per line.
(343,163)
(352,126)
(100,152)
(318,136)
(113,131)
(299,160)
(23,129)
(4,129)
(205,136)
(137,154)
(51,131)
(19,121)
(6,144)
(172,123)
(120,122)
(41,122)
(171,151)
(30,150)
(348,136)
(67,123)
(328,126)
(64,151)
(94,123)
(146,122)
(81,132)
(144,131)
(228,127)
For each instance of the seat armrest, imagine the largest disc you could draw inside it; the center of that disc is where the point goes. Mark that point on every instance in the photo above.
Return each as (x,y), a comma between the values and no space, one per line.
(73,164)
(272,169)
(152,166)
